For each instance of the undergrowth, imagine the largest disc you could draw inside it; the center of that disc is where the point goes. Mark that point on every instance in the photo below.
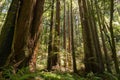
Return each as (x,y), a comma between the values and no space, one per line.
(24,74)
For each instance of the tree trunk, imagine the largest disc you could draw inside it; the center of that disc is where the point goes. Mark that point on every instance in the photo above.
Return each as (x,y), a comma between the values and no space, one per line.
(69,30)
(64,26)
(24,20)
(56,45)
(92,19)
(50,44)
(89,49)
(26,35)
(64,35)
(72,42)
(7,32)
(100,23)
(69,60)
(35,31)
(114,55)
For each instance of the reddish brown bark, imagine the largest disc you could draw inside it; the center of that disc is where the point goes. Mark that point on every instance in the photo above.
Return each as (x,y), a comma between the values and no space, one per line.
(35,31)
(27,31)
(23,24)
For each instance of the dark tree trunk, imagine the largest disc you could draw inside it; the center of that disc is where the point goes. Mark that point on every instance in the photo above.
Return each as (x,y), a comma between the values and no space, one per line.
(64,36)
(20,53)
(69,38)
(64,26)
(56,48)
(100,64)
(88,50)
(7,32)
(26,35)
(50,44)
(91,47)
(114,55)
(101,23)
(69,29)
(72,41)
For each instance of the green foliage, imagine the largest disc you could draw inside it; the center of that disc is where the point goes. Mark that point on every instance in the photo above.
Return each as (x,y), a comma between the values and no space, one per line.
(24,74)
(73,76)
(92,76)
(21,74)
(104,76)
(109,76)
(60,76)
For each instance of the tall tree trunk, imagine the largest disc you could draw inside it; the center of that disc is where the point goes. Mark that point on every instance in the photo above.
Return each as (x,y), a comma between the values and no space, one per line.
(7,32)
(95,38)
(91,45)
(50,44)
(26,35)
(72,41)
(24,20)
(69,30)
(86,38)
(64,25)
(64,35)
(101,22)
(35,31)
(56,47)
(112,38)
(69,60)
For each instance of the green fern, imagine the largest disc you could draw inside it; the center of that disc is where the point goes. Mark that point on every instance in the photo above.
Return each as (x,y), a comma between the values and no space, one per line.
(21,74)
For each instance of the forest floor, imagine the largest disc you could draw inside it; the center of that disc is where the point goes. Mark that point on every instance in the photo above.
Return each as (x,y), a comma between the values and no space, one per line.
(58,76)
(24,74)
(73,76)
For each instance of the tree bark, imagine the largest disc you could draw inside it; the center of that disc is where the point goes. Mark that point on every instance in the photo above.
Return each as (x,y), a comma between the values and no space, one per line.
(72,42)
(114,54)
(56,45)
(50,44)
(95,38)
(35,31)
(64,26)
(69,60)
(101,23)
(26,35)
(90,50)
(7,32)
(64,36)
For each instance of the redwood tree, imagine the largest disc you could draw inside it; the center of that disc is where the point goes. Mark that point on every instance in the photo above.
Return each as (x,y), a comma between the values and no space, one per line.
(113,47)
(26,35)
(72,41)
(93,56)
(50,44)
(7,32)
(56,45)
